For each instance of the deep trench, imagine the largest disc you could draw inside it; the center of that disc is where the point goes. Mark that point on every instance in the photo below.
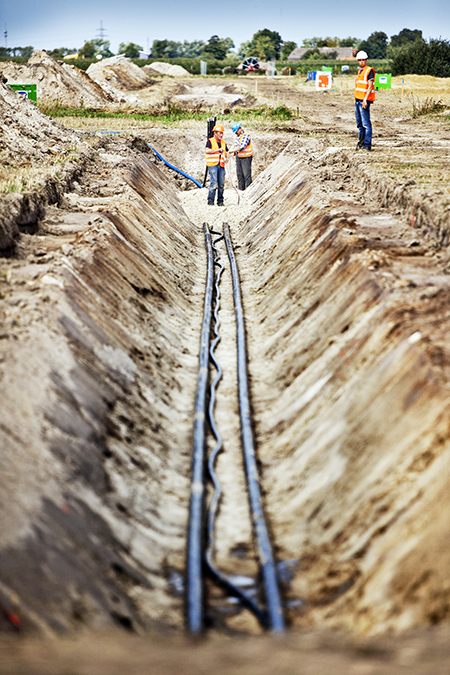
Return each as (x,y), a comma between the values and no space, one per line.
(350,406)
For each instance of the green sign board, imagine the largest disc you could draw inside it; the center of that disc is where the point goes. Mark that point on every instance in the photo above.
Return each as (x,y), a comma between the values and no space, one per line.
(382,81)
(327,69)
(27,90)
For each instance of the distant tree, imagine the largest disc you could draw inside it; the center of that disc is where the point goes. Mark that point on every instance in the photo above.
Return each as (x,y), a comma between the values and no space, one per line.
(159,48)
(315,53)
(131,50)
(321,42)
(218,48)
(327,42)
(312,53)
(4,51)
(174,49)
(102,48)
(25,52)
(61,52)
(265,44)
(229,44)
(87,51)
(243,49)
(405,37)
(192,50)
(97,47)
(287,48)
(331,42)
(349,42)
(375,45)
(166,49)
(422,58)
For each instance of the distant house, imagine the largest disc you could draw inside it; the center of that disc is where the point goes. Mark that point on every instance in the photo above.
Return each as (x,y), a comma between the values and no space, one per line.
(144,55)
(342,53)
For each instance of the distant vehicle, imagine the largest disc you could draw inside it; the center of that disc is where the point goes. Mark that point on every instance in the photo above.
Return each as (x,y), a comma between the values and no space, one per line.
(250,63)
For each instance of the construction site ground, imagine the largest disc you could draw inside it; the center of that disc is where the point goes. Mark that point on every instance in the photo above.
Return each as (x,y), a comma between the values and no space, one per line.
(73,185)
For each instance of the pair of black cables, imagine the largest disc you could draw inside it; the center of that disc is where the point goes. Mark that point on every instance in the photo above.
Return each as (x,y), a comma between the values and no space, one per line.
(200,555)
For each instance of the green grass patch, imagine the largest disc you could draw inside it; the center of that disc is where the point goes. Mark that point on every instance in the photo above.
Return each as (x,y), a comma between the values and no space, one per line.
(172,114)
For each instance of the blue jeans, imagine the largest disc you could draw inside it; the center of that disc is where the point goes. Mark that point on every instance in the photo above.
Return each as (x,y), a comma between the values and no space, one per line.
(216,182)
(363,123)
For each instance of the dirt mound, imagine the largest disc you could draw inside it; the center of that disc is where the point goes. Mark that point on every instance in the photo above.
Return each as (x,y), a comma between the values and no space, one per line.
(56,82)
(205,96)
(25,131)
(118,75)
(166,69)
(28,140)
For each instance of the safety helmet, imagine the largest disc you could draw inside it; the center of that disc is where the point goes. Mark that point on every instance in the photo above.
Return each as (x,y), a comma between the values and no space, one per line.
(361,56)
(219,127)
(235,127)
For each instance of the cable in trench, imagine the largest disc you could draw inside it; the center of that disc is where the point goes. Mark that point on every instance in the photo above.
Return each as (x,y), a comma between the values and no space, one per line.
(274,608)
(196,557)
(220,578)
(194,596)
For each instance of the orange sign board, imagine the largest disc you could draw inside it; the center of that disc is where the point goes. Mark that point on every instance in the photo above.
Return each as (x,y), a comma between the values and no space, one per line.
(323,80)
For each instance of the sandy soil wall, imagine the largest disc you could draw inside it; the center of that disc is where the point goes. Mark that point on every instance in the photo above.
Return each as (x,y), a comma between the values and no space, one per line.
(351,396)
(97,391)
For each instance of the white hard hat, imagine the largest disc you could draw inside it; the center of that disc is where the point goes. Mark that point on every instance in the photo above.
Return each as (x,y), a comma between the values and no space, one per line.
(361,56)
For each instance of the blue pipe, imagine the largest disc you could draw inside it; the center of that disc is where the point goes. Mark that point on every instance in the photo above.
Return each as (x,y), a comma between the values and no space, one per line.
(174,167)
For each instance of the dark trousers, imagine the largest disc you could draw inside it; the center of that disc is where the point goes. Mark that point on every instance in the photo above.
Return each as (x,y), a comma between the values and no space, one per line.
(244,172)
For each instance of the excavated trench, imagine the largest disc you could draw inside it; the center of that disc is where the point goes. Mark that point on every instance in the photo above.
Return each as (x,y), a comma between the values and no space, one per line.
(349,383)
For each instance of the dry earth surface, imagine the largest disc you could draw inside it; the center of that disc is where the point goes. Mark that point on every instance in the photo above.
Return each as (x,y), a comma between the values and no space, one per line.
(344,266)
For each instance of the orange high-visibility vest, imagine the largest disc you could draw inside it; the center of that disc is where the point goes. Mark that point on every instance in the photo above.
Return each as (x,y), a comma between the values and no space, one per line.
(247,151)
(213,158)
(362,84)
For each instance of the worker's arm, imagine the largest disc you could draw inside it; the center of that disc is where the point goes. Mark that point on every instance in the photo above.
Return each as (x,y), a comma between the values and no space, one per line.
(370,85)
(241,143)
(210,151)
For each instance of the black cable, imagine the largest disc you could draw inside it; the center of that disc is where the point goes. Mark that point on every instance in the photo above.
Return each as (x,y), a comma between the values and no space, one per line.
(231,588)
(194,599)
(266,557)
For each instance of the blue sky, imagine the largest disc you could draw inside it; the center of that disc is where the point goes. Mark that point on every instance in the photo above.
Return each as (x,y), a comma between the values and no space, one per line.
(48,24)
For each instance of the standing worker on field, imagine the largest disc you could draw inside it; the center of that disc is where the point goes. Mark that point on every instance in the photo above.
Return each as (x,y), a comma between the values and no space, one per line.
(216,158)
(243,150)
(364,95)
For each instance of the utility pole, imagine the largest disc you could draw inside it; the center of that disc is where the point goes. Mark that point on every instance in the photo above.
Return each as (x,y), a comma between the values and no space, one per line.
(101,31)
(6,37)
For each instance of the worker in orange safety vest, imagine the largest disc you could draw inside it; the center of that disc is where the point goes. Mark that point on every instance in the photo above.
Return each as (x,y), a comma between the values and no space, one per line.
(243,149)
(364,96)
(216,155)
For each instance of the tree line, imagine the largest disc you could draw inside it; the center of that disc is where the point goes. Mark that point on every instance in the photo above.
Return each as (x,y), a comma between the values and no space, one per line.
(408,51)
